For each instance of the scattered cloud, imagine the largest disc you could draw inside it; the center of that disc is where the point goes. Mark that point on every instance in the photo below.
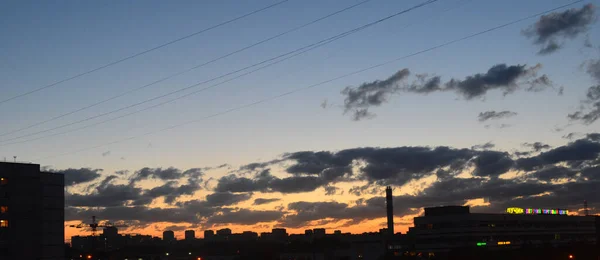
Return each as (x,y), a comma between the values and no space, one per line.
(165,174)
(459,175)
(261,201)
(493,115)
(486,146)
(552,30)
(359,99)
(590,107)
(501,77)
(537,146)
(219,199)
(78,176)
(107,153)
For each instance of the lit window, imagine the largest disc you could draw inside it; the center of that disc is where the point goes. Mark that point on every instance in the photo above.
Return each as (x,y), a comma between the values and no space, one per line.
(3,209)
(3,223)
(3,181)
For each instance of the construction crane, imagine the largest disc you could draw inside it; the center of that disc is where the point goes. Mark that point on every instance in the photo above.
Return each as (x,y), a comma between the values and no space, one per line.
(95,225)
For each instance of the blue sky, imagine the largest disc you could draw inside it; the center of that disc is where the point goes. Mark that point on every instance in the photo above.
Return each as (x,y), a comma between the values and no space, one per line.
(44,42)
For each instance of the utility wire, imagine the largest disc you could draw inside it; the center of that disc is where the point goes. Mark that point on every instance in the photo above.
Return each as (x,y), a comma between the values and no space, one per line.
(141,53)
(186,70)
(319,84)
(299,50)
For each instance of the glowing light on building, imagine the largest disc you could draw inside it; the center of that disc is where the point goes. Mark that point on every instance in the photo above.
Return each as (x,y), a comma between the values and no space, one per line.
(502,243)
(532,211)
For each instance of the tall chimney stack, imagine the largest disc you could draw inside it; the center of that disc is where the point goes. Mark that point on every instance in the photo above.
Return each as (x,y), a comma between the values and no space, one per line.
(390,209)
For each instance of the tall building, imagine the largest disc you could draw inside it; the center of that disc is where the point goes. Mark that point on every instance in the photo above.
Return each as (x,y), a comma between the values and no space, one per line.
(190,235)
(224,232)
(31,212)
(209,234)
(319,232)
(279,233)
(390,210)
(169,236)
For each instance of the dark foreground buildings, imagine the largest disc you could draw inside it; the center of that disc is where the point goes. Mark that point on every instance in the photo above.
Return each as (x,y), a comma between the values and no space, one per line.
(31,212)
(450,232)
(444,231)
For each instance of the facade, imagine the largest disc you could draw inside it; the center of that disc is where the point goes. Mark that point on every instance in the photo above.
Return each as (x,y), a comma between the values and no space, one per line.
(31,212)
(445,228)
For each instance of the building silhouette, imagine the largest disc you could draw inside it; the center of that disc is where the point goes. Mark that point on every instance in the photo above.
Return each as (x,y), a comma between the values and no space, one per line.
(169,236)
(443,229)
(190,235)
(209,234)
(389,202)
(31,212)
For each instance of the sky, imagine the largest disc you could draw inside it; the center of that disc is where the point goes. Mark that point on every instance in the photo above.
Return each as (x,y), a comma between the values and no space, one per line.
(525,89)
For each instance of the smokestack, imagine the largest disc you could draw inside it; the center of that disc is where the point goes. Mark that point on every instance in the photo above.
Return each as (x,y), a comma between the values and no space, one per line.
(390,209)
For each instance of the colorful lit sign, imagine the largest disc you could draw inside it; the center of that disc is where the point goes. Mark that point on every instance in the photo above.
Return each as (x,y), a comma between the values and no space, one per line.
(481,244)
(514,210)
(502,243)
(530,211)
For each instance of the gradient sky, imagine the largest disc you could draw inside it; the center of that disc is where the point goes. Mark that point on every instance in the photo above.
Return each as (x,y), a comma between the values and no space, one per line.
(44,42)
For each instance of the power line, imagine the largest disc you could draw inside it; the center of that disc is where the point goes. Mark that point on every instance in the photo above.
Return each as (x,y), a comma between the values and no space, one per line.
(186,70)
(289,55)
(320,83)
(141,53)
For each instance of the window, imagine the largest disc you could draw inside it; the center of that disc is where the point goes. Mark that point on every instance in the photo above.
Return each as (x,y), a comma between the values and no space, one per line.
(3,209)
(3,181)
(3,223)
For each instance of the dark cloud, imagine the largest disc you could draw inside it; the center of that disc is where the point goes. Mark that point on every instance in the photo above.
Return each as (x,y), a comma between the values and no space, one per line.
(383,165)
(78,176)
(581,149)
(261,201)
(553,173)
(359,99)
(425,84)
(500,77)
(188,213)
(492,115)
(219,199)
(245,217)
(265,182)
(593,137)
(107,194)
(171,191)
(331,190)
(306,212)
(165,174)
(107,153)
(486,146)
(537,146)
(552,29)
(492,163)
